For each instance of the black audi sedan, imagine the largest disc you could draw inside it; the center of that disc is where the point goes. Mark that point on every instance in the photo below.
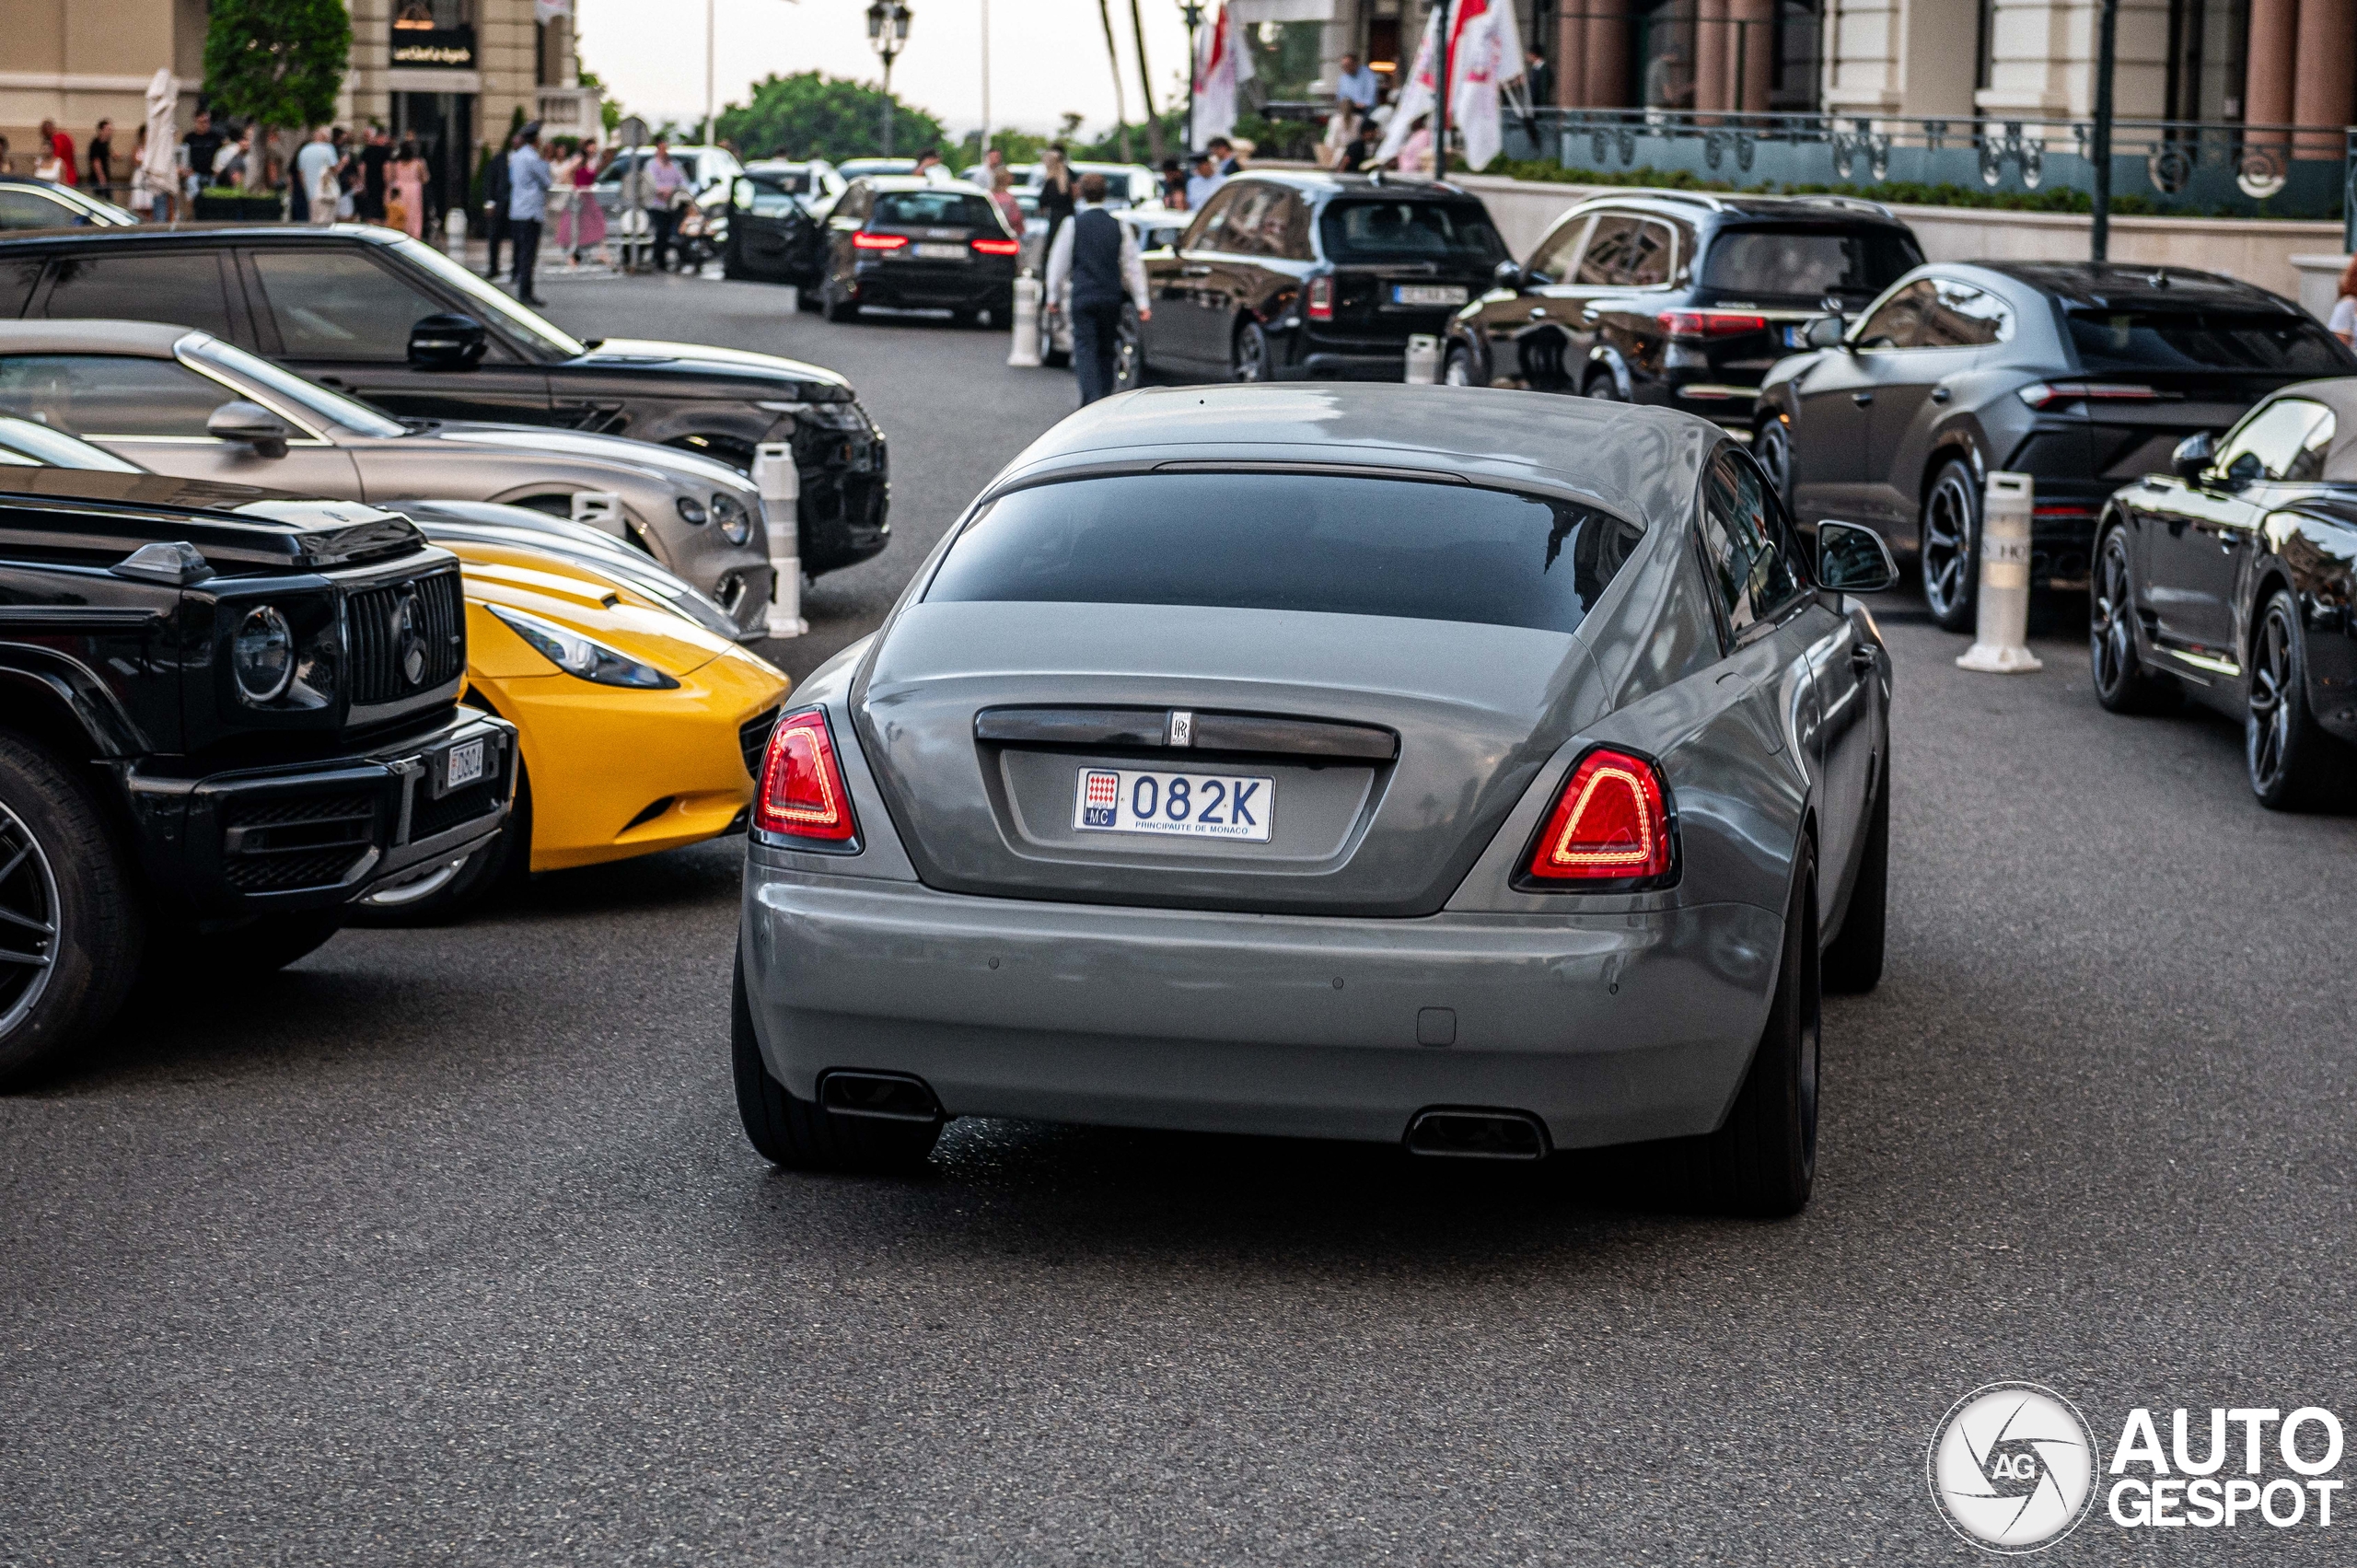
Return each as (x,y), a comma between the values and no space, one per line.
(1295,276)
(896,241)
(2082,375)
(2233,578)
(389,320)
(1675,298)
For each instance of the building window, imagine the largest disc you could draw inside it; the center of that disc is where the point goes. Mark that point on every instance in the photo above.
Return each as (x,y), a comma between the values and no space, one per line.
(2208,44)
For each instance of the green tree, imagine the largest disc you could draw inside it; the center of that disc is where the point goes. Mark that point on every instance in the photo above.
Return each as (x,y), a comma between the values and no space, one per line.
(276,63)
(810,114)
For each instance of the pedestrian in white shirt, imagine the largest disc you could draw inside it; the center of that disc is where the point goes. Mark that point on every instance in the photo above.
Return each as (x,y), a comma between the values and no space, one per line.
(1203,181)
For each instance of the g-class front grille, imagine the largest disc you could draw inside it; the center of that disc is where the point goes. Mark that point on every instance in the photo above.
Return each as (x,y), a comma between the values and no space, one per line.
(272,846)
(428,817)
(407,638)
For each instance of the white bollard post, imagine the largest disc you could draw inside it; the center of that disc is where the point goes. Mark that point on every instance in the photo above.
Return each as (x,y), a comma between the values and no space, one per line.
(453,234)
(781,486)
(2000,643)
(1024,353)
(1424,359)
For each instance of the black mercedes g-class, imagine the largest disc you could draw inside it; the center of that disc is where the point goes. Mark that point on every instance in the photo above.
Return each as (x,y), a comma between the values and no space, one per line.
(216,730)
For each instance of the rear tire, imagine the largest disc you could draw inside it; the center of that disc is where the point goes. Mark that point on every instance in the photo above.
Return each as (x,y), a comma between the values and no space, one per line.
(2122,683)
(789,1130)
(1460,369)
(2294,764)
(1763,1161)
(1852,961)
(1947,549)
(1603,389)
(1249,357)
(66,873)
(838,309)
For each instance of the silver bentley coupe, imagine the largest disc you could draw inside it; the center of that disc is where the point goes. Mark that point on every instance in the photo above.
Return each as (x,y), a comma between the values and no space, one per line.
(1479,772)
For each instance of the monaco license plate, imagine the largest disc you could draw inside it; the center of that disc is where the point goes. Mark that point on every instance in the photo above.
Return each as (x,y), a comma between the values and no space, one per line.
(938,252)
(462,765)
(1196,805)
(1427,294)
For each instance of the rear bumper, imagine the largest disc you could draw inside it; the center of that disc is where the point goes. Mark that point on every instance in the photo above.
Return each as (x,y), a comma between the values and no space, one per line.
(922,286)
(1611,1029)
(318,833)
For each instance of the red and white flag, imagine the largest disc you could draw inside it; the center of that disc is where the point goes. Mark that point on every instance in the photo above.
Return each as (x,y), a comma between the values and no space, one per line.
(1484,55)
(1222,66)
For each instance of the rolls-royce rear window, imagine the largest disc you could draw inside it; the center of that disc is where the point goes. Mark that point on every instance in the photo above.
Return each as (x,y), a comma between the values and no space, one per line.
(1456,233)
(1336,544)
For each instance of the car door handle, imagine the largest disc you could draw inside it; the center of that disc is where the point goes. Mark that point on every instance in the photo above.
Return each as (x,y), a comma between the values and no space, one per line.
(1862,399)
(1941,394)
(1194,272)
(1865,657)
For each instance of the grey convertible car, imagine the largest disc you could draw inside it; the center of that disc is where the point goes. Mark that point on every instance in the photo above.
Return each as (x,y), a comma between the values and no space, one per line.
(1475,769)
(182,402)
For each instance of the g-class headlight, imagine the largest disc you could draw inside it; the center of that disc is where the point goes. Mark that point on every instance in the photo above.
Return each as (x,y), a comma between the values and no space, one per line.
(735,518)
(584,656)
(261,656)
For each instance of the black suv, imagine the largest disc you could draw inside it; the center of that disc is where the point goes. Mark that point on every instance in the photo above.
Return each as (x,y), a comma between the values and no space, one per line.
(1675,298)
(394,321)
(216,731)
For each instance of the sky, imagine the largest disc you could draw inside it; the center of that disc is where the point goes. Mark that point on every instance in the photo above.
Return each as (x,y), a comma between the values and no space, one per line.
(1047,57)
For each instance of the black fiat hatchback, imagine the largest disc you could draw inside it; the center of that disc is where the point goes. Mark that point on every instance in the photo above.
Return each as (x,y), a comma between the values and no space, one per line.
(1294,276)
(896,241)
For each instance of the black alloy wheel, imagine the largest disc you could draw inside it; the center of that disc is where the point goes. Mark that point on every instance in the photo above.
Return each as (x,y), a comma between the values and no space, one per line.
(71,930)
(1772,444)
(1248,358)
(2122,683)
(1948,550)
(2293,761)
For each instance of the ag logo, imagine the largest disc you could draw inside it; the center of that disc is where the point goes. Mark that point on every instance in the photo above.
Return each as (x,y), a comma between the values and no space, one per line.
(2012,1467)
(409,637)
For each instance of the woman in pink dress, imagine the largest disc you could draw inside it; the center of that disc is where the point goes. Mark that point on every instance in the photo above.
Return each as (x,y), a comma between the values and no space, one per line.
(588,217)
(408,187)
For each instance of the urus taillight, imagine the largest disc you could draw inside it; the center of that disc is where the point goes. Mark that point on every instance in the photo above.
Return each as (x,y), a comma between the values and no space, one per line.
(1610,825)
(1320,302)
(802,794)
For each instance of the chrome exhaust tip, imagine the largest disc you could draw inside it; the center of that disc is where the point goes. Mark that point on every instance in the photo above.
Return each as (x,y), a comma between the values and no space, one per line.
(887,1097)
(1476,1132)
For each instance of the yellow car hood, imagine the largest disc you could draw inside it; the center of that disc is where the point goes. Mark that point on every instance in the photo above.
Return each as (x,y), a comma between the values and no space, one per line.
(579,598)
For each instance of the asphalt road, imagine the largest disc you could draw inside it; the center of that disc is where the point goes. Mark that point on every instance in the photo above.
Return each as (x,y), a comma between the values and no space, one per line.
(446,1247)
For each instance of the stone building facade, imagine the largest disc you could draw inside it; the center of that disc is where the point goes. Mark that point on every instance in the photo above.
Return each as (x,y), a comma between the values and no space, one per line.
(452,73)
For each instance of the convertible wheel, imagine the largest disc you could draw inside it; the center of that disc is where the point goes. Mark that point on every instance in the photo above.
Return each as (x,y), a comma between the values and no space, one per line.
(1772,444)
(500,867)
(70,929)
(1763,1161)
(1460,369)
(1949,548)
(2293,761)
(1249,359)
(2122,683)
(1852,961)
(792,1131)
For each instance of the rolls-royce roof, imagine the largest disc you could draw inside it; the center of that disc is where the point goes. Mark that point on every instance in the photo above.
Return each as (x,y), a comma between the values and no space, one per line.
(1640,462)
(150,340)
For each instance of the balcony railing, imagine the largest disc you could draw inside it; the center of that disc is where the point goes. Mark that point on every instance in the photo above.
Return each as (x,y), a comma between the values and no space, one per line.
(2183,167)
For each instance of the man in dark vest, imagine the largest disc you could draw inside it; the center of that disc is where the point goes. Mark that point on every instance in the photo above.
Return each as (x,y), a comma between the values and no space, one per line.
(1096,255)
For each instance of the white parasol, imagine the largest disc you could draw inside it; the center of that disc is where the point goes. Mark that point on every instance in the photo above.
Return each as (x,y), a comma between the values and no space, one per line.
(161,169)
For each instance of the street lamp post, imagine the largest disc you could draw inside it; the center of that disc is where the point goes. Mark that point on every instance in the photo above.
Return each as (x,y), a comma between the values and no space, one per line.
(1194,14)
(887,34)
(2107,66)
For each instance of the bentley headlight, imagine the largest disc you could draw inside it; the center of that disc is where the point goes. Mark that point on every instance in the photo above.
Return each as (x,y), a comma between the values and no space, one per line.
(691,510)
(261,656)
(735,518)
(584,656)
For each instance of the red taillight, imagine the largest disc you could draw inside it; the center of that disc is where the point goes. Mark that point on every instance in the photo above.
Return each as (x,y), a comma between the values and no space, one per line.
(1709,323)
(878,241)
(998,247)
(2045,394)
(1321,299)
(802,792)
(1610,824)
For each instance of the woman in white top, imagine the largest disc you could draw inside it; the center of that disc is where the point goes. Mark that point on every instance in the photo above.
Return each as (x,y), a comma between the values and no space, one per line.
(2343,322)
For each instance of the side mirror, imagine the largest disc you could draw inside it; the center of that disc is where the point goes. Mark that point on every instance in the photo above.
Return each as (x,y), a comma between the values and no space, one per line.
(1852,559)
(1824,331)
(1508,275)
(2192,456)
(250,424)
(447,343)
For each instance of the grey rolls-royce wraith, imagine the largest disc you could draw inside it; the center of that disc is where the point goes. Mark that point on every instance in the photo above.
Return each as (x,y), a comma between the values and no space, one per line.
(1480,770)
